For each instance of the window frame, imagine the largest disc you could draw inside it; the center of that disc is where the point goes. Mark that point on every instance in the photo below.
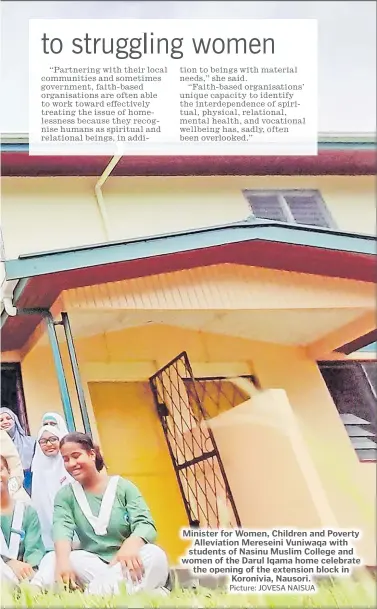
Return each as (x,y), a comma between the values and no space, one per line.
(349,364)
(281,193)
(366,374)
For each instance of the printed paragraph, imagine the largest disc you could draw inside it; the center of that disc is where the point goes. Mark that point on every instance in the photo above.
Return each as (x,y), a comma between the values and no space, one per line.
(243,103)
(274,561)
(225,104)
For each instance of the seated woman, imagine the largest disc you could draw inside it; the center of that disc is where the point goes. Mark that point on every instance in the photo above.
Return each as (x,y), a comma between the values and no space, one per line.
(23,555)
(55,420)
(16,473)
(112,522)
(25,445)
(49,475)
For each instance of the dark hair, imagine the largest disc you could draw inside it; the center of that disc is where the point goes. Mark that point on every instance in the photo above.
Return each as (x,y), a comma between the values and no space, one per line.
(87,443)
(5,462)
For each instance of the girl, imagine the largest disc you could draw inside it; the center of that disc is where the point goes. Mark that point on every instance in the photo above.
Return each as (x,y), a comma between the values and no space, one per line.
(49,475)
(111,520)
(25,445)
(22,549)
(56,420)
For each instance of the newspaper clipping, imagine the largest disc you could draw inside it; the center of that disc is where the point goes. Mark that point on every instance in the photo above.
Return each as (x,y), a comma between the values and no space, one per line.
(188,310)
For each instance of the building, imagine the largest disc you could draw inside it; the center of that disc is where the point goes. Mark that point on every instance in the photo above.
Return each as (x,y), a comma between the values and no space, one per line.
(143,295)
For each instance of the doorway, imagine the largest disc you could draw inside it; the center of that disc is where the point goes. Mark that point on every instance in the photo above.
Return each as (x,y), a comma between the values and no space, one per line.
(12,393)
(134,447)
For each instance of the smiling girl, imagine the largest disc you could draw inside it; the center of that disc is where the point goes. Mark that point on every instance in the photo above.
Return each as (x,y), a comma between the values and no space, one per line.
(25,444)
(113,523)
(49,476)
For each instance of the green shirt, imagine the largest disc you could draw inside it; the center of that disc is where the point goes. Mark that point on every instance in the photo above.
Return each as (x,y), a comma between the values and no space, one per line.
(31,548)
(129,516)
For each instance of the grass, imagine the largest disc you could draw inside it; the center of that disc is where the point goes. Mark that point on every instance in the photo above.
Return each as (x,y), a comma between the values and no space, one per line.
(355,593)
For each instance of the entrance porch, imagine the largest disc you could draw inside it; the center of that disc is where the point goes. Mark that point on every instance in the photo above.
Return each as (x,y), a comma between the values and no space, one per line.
(253,338)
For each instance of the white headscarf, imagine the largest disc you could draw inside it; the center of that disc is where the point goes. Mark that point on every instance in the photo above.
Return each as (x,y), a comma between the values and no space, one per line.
(60,423)
(49,475)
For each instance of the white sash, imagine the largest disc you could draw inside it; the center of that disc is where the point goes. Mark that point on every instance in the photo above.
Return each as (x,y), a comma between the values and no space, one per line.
(100,522)
(16,535)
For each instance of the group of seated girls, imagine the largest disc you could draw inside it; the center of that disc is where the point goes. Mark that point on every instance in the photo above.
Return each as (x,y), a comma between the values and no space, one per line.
(81,527)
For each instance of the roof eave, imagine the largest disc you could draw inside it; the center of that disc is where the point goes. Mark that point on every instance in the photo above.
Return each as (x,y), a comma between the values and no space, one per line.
(270,245)
(42,263)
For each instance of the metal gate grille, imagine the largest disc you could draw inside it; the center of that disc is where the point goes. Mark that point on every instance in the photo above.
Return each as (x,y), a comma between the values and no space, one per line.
(203,483)
(218,394)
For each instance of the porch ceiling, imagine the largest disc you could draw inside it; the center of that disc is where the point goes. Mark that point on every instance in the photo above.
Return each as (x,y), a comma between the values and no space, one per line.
(223,287)
(270,245)
(284,326)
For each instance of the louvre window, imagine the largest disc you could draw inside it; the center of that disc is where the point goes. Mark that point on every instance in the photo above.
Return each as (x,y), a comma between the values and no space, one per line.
(352,387)
(305,207)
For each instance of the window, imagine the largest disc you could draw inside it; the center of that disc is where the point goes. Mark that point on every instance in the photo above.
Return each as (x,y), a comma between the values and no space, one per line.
(293,206)
(352,386)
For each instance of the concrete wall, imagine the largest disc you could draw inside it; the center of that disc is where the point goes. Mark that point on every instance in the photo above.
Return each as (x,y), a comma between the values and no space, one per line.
(41,214)
(133,355)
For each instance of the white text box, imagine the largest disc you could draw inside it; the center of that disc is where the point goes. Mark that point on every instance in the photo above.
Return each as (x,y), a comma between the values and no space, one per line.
(173,87)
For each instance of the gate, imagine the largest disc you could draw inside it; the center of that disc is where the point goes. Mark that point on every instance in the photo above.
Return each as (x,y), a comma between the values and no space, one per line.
(200,473)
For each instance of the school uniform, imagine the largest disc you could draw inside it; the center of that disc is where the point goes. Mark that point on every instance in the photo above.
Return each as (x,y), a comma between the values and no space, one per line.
(49,476)
(21,539)
(102,523)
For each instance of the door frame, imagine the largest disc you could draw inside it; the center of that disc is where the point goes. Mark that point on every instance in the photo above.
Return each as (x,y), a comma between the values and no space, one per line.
(182,469)
(21,402)
(141,371)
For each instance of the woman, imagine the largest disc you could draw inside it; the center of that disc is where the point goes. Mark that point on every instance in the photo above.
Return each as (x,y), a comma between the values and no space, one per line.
(23,555)
(56,420)
(112,522)
(16,477)
(25,445)
(49,475)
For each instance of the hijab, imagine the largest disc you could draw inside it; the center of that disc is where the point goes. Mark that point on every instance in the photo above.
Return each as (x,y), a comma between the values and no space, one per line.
(49,475)
(58,419)
(24,444)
